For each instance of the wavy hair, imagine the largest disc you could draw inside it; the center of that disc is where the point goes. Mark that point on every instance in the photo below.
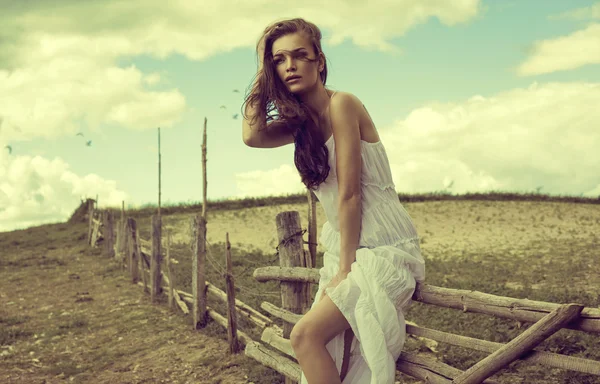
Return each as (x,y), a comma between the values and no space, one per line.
(270,94)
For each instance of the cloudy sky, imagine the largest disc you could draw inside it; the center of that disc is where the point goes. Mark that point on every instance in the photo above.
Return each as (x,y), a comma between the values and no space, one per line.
(467,96)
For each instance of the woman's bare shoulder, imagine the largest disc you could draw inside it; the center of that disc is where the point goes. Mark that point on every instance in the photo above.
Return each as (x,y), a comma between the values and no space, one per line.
(345,96)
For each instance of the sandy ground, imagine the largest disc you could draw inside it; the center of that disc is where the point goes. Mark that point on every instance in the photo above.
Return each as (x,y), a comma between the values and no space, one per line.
(446,228)
(78,319)
(87,321)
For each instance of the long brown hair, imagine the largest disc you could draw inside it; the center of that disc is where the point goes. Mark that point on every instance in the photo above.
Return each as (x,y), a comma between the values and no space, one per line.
(311,154)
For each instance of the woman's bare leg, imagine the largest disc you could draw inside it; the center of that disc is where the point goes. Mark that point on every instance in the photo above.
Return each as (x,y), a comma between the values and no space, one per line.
(309,338)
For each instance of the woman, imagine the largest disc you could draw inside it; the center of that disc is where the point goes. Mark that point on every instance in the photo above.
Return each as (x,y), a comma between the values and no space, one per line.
(373,257)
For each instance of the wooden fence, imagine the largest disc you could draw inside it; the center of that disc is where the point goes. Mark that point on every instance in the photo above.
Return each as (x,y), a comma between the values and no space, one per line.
(142,259)
(296,273)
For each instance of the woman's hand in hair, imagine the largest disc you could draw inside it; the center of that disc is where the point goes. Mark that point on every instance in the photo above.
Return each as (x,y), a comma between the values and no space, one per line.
(261,51)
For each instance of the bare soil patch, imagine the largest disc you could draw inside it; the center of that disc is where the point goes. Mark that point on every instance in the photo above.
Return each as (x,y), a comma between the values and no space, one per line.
(68,314)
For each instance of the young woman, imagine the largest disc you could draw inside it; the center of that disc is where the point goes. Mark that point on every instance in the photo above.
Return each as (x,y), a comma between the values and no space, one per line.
(373,259)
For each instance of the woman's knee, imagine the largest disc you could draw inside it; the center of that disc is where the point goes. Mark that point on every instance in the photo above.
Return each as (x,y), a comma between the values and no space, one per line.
(302,335)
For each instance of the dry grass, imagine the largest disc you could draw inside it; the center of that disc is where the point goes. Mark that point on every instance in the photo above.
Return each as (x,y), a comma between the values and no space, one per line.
(51,329)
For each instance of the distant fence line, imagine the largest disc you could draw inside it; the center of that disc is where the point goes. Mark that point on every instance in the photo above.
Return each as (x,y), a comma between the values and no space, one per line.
(296,273)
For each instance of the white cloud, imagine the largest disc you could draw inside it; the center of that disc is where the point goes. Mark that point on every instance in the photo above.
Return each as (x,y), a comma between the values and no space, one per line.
(58,62)
(563,53)
(280,181)
(36,190)
(60,68)
(516,140)
(543,135)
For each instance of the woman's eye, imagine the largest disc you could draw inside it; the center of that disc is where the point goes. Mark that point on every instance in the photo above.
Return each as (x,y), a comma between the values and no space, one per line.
(277,61)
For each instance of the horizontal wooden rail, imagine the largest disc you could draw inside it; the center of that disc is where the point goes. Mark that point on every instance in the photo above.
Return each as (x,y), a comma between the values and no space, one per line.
(523,310)
(428,370)
(549,359)
(288,274)
(242,308)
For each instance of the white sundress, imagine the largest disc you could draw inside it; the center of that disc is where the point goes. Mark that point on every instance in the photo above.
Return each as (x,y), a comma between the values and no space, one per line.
(380,285)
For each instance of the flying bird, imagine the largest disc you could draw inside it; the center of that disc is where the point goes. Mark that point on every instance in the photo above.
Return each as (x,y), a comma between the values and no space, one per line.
(89,143)
(235,116)
(9,149)
(236,91)
(79,134)
(223,107)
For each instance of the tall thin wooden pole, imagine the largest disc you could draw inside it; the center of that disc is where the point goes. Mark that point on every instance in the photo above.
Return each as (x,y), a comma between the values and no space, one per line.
(205,182)
(134,250)
(159,171)
(312,229)
(198,272)
(311,255)
(90,204)
(156,260)
(232,338)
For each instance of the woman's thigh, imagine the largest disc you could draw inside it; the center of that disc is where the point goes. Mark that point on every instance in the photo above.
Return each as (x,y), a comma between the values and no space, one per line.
(321,323)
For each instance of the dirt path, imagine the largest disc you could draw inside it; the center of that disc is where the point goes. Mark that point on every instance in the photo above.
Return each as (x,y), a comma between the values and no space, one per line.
(68,315)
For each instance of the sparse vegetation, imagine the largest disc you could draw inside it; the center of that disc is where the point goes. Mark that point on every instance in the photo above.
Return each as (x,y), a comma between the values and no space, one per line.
(505,244)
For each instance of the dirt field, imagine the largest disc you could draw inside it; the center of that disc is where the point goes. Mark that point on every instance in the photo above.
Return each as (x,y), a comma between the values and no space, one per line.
(68,315)
(448,229)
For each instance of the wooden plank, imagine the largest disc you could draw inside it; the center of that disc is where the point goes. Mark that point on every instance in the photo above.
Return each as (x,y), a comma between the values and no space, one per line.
(140,265)
(280,313)
(243,309)
(109,234)
(312,228)
(95,231)
(170,276)
(526,341)
(274,339)
(134,250)
(291,254)
(234,346)
(273,360)
(156,259)
(287,274)
(198,272)
(428,370)
(90,208)
(244,338)
(523,310)
(549,359)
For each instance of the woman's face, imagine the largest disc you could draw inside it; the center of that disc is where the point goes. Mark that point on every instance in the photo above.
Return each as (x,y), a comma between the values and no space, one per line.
(289,58)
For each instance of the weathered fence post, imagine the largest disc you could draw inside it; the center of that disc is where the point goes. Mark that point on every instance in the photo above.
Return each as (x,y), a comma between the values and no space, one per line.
(311,255)
(234,346)
(95,228)
(312,228)
(125,256)
(109,233)
(142,263)
(169,274)
(122,238)
(133,251)
(90,208)
(155,275)
(198,271)
(294,296)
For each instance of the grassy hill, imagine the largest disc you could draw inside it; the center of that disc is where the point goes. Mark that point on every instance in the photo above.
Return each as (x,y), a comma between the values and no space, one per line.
(68,311)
